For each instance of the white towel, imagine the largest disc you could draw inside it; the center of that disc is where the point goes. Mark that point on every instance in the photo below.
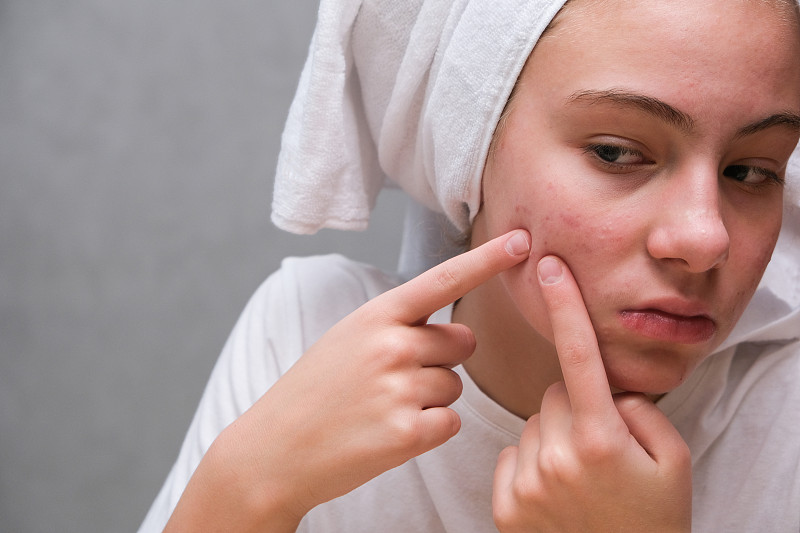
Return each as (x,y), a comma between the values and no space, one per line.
(408,90)
(411,90)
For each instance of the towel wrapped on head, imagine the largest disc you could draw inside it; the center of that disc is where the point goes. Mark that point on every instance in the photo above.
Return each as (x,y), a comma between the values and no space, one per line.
(405,93)
(408,93)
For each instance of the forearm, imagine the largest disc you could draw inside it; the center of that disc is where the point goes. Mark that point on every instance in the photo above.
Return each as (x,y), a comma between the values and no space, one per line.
(227,494)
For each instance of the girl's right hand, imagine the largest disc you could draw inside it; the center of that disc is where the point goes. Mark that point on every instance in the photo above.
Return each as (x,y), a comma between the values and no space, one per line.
(590,460)
(371,394)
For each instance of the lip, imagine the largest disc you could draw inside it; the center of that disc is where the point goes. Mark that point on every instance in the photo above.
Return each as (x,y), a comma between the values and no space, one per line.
(674,321)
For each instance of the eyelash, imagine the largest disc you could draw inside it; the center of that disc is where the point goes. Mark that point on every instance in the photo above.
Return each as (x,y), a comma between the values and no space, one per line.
(770,175)
(595,149)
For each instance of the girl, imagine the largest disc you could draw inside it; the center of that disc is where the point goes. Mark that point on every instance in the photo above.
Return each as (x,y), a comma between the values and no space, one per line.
(621,205)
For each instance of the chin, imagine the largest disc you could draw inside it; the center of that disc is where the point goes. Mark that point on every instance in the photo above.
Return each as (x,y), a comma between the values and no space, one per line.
(650,375)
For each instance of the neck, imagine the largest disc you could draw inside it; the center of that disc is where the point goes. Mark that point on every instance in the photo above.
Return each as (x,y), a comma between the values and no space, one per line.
(512,363)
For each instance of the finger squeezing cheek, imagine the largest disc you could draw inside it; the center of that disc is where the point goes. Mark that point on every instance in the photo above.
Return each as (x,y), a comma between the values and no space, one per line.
(550,271)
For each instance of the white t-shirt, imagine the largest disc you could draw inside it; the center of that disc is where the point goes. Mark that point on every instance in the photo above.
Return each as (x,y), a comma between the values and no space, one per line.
(739,413)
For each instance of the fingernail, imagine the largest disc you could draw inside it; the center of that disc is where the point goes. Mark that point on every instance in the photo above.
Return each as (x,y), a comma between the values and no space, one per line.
(518,244)
(550,271)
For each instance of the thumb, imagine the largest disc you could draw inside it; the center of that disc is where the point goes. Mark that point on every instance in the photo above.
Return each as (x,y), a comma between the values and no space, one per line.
(652,430)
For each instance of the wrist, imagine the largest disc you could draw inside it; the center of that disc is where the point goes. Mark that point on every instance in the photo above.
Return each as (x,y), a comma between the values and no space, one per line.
(260,493)
(228,492)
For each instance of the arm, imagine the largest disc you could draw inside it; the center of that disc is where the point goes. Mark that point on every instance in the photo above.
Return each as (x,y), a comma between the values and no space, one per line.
(369,395)
(590,460)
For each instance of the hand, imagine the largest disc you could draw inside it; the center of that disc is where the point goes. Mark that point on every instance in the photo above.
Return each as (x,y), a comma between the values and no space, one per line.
(371,394)
(590,461)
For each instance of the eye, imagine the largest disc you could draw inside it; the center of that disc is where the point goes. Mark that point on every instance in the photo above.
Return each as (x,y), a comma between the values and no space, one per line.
(616,155)
(751,175)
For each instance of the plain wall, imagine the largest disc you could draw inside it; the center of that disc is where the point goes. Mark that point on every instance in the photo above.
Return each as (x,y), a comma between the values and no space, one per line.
(138,142)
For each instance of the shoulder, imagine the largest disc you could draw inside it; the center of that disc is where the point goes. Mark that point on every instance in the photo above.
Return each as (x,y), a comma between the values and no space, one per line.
(313,293)
(334,274)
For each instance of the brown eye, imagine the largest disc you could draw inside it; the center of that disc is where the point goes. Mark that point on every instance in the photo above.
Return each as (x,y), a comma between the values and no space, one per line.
(608,153)
(616,155)
(752,175)
(737,172)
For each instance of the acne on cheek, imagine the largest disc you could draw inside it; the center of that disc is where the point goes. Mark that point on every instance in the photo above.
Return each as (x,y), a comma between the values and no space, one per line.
(570,220)
(585,233)
(568,230)
(522,210)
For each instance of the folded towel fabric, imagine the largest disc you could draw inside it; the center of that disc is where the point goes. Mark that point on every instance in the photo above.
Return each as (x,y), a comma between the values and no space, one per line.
(408,93)
(404,93)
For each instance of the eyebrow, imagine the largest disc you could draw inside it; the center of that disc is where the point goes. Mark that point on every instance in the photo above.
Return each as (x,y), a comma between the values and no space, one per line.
(786,119)
(648,104)
(675,117)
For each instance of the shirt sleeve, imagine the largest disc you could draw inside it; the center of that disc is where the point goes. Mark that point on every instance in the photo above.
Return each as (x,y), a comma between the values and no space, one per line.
(260,348)
(287,314)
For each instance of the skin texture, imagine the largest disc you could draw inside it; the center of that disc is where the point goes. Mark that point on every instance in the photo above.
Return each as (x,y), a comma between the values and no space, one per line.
(654,173)
(665,230)
(614,195)
(371,394)
(589,461)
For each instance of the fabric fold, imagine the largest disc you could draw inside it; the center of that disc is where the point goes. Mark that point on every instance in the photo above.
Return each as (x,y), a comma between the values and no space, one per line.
(410,91)
(408,94)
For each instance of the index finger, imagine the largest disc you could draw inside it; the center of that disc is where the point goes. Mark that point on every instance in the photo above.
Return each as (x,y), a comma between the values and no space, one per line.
(414,301)
(576,342)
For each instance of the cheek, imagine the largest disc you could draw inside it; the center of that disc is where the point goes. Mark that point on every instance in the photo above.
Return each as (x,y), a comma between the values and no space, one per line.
(588,237)
(756,251)
(522,286)
(594,243)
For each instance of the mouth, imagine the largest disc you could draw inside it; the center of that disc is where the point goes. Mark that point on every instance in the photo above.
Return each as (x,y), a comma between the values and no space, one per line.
(670,327)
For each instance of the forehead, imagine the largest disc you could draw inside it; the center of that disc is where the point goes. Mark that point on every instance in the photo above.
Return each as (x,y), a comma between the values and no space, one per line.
(707,20)
(787,10)
(728,49)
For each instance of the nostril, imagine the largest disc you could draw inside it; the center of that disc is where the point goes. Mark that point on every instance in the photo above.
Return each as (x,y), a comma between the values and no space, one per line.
(699,246)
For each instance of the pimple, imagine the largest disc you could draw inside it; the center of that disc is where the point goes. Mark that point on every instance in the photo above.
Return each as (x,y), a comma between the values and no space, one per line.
(522,210)
(570,220)
(607,232)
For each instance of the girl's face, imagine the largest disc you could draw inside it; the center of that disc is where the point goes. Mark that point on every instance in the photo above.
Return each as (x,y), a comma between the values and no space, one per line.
(646,146)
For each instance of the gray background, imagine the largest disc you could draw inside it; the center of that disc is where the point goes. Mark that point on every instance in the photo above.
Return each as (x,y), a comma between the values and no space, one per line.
(137,146)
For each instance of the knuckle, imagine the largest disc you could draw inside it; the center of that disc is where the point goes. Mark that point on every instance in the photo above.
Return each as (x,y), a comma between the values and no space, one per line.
(600,452)
(446,279)
(394,348)
(575,352)
(504,513)
(395,387)
(558,466)
(600,447)
(404,431)
(525,490)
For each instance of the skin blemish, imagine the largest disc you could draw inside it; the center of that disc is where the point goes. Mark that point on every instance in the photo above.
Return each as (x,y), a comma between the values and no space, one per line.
(523,210)
(571,221)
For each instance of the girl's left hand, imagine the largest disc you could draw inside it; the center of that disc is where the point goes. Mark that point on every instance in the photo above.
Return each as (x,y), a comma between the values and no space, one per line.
(590,460)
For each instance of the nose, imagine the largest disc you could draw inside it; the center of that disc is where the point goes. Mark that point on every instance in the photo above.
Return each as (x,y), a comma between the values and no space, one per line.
(689,229)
